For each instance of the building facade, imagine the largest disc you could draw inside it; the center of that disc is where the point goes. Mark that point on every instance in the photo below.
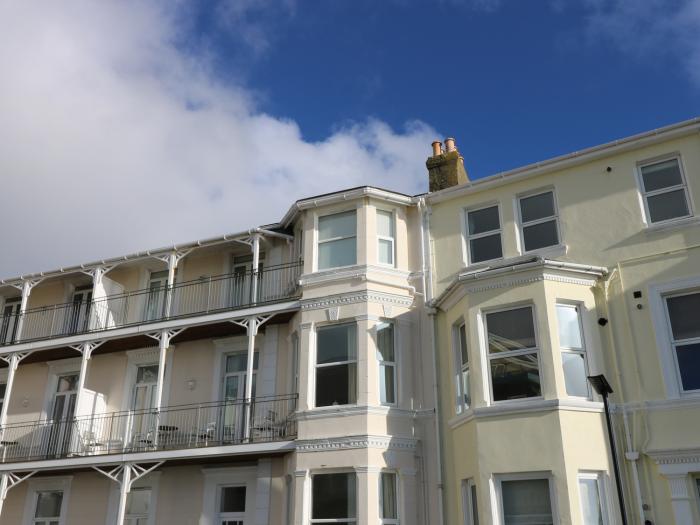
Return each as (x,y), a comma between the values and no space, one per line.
(378,358)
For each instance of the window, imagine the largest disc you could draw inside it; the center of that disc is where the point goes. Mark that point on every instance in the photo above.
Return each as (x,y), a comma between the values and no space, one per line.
(573,352)
(336,365)
(333,498)
(683,317)
(337,244)
(47,510)
(526,501)
(295,362)
(9,321)
(461,357)
(385,237)
(3,390)
(157,289)
(538,220)
(665,192)
(387,363)
(232,505)
(484,234)
(388,499)
(590,488)
(138,503)
(513,354)
(469,505)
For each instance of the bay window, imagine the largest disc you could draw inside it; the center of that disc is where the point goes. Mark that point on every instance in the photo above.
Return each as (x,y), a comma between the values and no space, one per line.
(513,354)
(334,498)
(461,359)
(470,510)
(336,365)
(388,499)
(590,487)
(385,237)
(337,240)
(525,500)
(387,363)
(573,351)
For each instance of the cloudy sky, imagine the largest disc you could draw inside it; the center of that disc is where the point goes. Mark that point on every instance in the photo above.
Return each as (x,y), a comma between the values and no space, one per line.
(127,125)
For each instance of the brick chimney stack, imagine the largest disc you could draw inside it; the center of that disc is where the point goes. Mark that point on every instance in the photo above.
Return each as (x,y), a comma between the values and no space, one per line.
(445,167)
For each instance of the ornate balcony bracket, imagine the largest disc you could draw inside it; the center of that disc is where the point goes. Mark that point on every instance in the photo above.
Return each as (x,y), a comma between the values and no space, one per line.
(86,349)
(252,323)
(166,335)
(125,475)
(9,481)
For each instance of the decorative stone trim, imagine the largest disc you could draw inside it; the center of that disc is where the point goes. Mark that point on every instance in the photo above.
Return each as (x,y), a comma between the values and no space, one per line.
(356,442)
(353,410)
(330,301)
(675,457)
(358,271)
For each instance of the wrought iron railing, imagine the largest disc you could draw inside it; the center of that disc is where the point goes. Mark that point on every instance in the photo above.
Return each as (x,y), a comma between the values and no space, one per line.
(201,296)
(172,428)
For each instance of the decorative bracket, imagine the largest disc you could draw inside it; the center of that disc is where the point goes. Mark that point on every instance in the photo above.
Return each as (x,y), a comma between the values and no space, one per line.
(246,322)
(14,358)
(176,254)
(12,481)
(29,283)
(86,348)
(168,333)
(116,474)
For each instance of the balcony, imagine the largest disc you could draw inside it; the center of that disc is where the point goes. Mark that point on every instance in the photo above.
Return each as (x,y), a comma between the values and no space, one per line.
(183,427)
(208,295)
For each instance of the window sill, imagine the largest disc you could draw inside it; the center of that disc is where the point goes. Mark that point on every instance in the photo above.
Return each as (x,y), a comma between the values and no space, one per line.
(675,224)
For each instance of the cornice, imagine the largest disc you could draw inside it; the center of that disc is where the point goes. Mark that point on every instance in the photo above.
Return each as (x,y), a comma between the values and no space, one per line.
(675,457)
(329,301)
(356,442)
(355,410)
(357,271)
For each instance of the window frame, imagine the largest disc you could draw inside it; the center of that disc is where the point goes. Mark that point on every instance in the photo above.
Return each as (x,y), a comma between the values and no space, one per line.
(537,349)
(230,516)
(392,239)
(316,366)
(468,237)
(673,343)
(313,474)
(389,521)
(62,484)
(525,476)
(461,406)
(602,493)
(583,351)
(381,363)
(150,515)
(319,242)
(470,504)
(522,224)
(644,195)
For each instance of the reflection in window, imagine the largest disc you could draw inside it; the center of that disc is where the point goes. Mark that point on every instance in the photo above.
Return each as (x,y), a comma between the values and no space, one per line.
(388,503)
(538,220)
(526,501)
(484,234)
(337,244)
(461,357)
(573,352)
(387,363)
(333,498)
(336,365)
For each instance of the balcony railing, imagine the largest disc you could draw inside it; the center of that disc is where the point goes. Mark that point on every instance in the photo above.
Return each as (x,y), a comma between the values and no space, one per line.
(206,295)
(172,428)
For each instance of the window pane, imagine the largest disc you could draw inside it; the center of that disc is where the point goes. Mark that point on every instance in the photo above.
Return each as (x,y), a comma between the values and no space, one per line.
(537,207)
(590,501)
(481,221)
(485,248)
(338,225)
(475,508)
(540,235)
(137,501)
(388,496)
(147,374)
(387,384)
(510,330)
(683,312)
(67,383)
(48,504)
(569,326)
(385,223)
(333,496)
(232,499)
(526,502)
(515,377)
(661,175)
(465,388)
(238,362)
(386,251)
(464,353)
(336,344)
(574,366)
(336,385)
(667,206)
(337,253)
(385,342)
(689,365)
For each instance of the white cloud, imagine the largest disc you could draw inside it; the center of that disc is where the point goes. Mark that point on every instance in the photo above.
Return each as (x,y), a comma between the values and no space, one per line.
(112,140)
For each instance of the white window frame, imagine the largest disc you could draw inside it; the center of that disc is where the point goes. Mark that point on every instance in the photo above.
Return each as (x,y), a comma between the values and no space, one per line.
(644,195)
(335,363)
(522,225)
(319,242)
(150,515)
(599,477)
(230,516)
(469,504)
(381,364)
(523,476)
(392,239)
(459,367)
(536,350)
(46,485)
(468,237)
(674,343)
(390,521)
(311,496)
(583,351)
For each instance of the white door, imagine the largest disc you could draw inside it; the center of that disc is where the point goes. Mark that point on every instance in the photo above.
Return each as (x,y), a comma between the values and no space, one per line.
(62,413)
(234,386)
(143,402)
(9,320)
(157,290)
(232,505)
(78,314)
(242,279)
(47,510)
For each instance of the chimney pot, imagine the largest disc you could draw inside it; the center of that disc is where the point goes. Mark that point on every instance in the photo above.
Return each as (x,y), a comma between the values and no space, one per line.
(437,148)
(450,144)
(445,168)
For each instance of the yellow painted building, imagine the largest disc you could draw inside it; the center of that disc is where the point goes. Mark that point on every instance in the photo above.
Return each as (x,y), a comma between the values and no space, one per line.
(581,265)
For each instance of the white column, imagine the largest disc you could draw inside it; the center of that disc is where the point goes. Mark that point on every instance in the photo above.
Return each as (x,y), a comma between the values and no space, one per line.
(172,266)
(163,344)
(302,497)
(86,351)
(262,492)
(124,489)
(13,362)
(252,332)
(681,500)
(256,261)
(26,290)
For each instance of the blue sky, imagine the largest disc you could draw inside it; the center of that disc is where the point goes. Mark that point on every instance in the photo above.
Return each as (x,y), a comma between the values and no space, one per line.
(129,125)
